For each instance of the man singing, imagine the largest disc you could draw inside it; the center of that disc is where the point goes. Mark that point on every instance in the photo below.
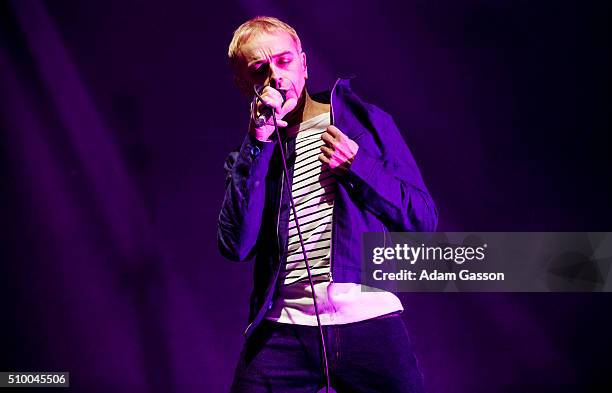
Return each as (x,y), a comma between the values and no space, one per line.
(350,172)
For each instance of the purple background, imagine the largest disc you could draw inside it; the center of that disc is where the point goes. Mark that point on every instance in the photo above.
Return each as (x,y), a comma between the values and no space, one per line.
(116,117)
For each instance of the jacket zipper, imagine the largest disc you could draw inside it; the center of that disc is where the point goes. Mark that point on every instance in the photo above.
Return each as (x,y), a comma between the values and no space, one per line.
(280,202)
(280,205)
(331,244)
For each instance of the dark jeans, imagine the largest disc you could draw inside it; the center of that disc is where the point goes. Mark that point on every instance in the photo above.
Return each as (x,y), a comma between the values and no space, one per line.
(369,356)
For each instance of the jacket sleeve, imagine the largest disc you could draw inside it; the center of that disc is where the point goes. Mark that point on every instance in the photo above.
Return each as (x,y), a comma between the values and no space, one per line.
(243,204)
(390,184)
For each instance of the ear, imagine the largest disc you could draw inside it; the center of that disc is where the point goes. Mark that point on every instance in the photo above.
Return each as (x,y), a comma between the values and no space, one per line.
(304,65)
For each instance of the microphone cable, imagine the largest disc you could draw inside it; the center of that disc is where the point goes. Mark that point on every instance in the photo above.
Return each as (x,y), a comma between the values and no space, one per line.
(299,232)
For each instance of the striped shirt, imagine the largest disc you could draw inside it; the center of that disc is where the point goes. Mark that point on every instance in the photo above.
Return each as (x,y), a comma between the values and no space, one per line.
(313,189)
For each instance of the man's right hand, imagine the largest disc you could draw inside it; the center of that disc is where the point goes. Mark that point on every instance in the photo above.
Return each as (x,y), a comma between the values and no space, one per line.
(272,98)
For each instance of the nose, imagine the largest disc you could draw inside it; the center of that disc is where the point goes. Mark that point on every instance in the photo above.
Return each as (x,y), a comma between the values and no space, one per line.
(274,79)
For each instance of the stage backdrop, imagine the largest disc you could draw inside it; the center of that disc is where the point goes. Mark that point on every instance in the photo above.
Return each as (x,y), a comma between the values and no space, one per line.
(116,118)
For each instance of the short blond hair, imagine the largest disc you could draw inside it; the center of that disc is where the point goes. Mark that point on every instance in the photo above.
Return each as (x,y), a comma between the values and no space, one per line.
(258,24)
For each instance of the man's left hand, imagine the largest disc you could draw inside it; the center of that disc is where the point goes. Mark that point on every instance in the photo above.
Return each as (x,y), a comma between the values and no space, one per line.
(339,150)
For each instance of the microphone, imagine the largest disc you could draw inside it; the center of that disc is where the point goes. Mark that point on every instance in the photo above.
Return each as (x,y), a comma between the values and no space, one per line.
(265,112)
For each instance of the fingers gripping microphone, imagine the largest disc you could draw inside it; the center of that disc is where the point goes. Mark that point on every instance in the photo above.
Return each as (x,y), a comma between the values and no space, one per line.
(265,112)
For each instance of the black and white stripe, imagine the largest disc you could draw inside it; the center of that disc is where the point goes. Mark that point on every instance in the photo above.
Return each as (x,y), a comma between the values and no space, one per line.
(313,189)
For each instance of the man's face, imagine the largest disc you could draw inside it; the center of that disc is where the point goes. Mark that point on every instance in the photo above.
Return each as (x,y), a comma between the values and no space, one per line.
(273,59)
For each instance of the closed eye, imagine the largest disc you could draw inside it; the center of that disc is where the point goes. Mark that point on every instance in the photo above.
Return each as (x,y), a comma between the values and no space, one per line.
(284,60)
(259,69)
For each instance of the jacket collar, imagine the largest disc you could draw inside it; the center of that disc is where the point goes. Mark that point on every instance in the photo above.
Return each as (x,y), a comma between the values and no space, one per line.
(342,101)
(346,107)
(325,96)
